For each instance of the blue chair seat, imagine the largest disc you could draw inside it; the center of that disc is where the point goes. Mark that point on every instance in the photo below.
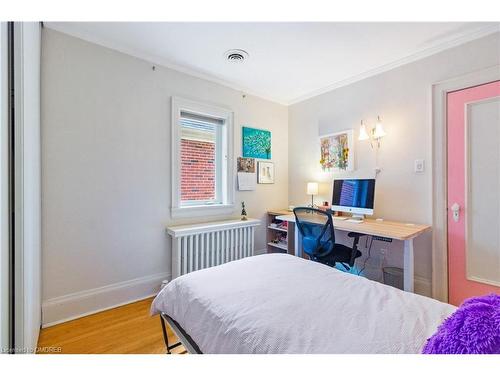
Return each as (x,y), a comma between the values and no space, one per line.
(318,238)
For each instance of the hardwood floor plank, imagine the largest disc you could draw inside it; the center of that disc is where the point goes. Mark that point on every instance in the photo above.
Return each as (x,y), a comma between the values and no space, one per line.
(126,329)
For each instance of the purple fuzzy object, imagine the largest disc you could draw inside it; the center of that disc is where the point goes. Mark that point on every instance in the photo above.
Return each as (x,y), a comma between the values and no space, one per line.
(473,329)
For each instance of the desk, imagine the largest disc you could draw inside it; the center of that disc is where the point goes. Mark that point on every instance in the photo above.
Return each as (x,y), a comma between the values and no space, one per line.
(390,229)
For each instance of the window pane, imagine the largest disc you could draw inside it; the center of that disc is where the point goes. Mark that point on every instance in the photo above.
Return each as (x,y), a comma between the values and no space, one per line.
(198,156)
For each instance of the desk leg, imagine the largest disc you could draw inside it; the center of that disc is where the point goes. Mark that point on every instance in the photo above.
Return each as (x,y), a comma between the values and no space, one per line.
(298,242)
(408,266)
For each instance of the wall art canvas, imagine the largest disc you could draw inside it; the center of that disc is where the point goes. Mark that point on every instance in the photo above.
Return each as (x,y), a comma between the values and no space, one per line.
(256,143)
(265,172)
(337,151)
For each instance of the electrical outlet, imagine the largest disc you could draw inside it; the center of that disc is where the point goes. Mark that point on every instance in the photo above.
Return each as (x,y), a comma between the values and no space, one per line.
(419,166)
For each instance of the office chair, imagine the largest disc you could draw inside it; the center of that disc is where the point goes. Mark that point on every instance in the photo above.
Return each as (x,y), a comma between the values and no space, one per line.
(318,238)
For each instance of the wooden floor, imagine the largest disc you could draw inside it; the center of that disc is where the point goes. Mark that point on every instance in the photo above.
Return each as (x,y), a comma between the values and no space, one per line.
(124,330)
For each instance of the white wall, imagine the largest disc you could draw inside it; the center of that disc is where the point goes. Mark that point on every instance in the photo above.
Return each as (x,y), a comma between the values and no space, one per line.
(402,97)
(106,171)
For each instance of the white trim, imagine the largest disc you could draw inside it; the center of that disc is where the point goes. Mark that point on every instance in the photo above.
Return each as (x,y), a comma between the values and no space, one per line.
(68,29)
(226,190)
(4,193)
(423,286)
(76,305)
(456,40)
(439,172)
(198,211)
(462,38)
(27,42)
(19,302)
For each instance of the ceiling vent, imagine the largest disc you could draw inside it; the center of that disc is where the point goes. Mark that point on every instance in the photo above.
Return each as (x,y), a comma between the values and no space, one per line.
(236,55)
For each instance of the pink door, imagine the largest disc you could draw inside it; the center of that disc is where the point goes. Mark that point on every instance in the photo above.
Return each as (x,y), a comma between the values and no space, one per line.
(473,191)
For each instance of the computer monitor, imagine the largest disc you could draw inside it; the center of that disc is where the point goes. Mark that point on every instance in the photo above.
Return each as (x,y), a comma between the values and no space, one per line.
(355,196)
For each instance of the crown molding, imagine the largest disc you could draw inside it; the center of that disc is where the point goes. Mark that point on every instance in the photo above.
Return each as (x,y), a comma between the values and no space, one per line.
(116,46)
(453,41)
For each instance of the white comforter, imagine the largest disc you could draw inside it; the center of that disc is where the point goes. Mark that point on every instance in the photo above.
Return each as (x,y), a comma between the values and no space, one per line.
(278,303)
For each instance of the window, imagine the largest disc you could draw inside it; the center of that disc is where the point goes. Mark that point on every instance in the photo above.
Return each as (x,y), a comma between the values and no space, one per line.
(200,179)
(202,182)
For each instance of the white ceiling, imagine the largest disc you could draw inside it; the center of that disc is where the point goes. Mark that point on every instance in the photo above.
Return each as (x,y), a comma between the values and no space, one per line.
(288,62)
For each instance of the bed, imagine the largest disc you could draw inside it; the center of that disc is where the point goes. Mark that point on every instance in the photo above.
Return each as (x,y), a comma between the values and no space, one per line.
(279,303)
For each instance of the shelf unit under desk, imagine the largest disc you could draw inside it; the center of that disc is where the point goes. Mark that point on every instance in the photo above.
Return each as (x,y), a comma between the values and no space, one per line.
(273,232)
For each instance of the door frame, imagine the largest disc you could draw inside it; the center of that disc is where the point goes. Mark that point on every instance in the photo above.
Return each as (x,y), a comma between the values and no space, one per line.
(440,171)
(5,305)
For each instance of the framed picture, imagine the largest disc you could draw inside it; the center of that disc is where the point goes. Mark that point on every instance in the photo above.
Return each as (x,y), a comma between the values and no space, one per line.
(337,151)
(246,165)
(256,143)
(265,173)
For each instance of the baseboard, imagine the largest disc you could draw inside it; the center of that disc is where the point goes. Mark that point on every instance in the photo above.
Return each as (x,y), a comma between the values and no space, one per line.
(76,305)
(423,286)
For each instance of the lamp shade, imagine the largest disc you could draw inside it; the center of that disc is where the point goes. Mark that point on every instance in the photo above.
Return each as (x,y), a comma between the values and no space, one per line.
(312,188)
(363,135)
(379,130)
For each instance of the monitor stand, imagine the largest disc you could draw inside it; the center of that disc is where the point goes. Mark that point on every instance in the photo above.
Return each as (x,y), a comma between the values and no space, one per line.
(356,218)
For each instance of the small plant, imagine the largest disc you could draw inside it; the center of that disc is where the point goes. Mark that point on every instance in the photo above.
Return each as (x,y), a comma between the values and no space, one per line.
(243,211)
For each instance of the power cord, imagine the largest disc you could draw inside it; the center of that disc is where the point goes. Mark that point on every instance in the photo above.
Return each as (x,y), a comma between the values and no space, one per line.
(369,254)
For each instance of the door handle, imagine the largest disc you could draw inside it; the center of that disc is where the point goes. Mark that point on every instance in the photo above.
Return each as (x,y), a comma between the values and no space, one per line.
(455,209)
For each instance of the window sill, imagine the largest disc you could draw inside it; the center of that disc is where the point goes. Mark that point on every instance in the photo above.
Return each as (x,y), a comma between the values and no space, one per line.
(197,211)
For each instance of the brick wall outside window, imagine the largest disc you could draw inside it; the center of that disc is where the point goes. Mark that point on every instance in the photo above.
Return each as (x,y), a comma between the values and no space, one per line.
(197,170)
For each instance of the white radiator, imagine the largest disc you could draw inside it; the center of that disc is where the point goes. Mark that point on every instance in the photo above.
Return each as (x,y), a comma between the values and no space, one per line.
(198,246)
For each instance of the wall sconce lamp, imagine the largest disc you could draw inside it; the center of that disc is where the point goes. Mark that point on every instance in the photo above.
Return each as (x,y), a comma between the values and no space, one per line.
(377,133)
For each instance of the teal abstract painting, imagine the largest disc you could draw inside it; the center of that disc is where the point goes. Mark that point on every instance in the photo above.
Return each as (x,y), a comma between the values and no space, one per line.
(256,143)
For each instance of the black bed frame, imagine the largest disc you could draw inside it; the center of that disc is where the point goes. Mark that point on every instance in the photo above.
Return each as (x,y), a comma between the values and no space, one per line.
(184,338)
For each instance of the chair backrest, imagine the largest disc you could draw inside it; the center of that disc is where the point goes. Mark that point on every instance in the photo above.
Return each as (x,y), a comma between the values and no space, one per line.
(316,228)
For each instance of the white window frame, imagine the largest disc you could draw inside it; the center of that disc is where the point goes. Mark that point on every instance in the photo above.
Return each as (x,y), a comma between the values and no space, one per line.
(219,160)
(224,166)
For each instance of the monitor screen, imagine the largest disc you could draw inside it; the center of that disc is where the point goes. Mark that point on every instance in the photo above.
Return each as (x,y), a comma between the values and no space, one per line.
(354,193)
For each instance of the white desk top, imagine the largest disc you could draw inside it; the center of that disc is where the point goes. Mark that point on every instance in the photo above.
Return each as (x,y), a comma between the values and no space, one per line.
(388,229)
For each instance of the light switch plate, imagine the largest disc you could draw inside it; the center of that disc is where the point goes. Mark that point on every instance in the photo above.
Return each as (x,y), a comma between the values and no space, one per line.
(419,166)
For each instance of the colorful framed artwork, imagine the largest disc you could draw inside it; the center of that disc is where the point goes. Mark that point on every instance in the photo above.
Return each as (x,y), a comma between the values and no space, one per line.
(256,143)
(337,151)
(265,173)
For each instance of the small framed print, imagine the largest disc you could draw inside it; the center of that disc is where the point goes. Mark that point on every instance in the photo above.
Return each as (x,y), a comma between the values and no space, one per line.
(265,173)
(246,165)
